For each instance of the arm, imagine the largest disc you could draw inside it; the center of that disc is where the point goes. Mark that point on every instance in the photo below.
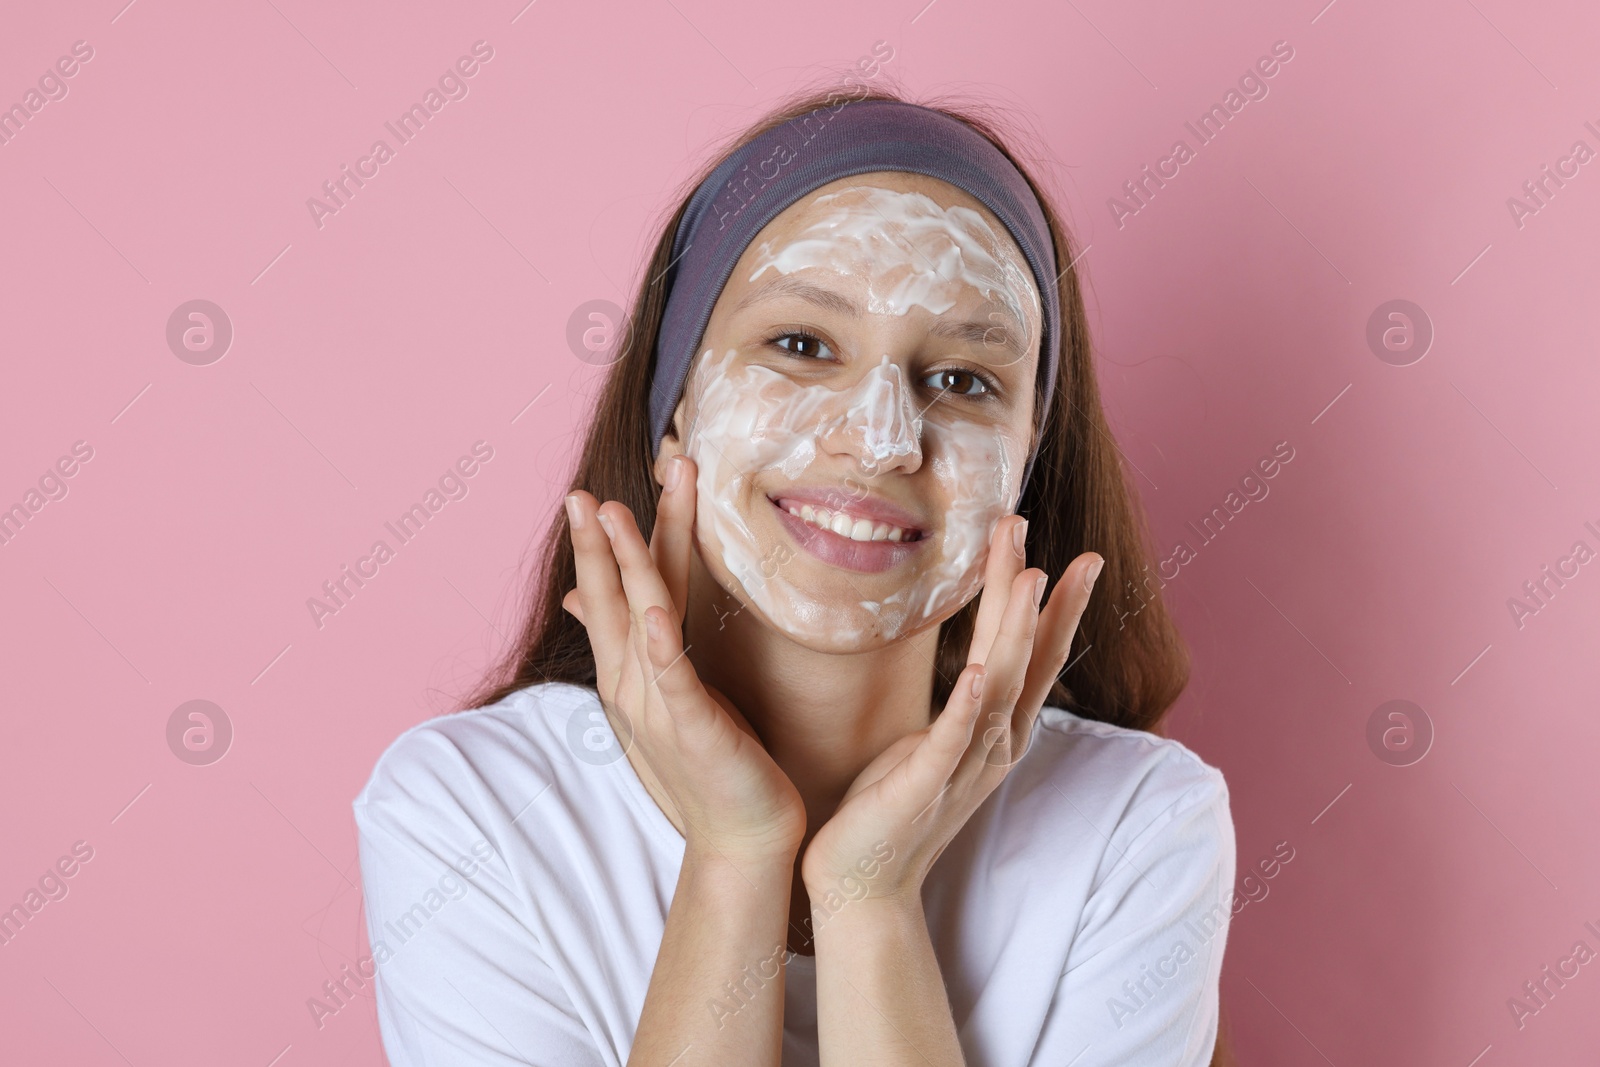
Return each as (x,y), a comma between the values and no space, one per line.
(461,971)
(1141,981)
(741,816)
(460,977)
(880,995)
(716,993)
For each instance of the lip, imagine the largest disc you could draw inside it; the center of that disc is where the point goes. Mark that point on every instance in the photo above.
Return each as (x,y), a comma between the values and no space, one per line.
(866,557)
(866,507)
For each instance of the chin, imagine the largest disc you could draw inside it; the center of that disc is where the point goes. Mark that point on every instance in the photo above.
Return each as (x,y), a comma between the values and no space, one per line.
(827,608)
(842,629)
(888,573)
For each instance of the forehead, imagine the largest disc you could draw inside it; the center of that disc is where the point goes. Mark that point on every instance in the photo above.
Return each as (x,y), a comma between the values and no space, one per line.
(941,192)
(865,194)
(888,225)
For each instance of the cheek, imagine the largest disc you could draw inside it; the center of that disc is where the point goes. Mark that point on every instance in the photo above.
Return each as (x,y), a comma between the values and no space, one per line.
(750,419)
(978,476)
(976,471)
(744,420)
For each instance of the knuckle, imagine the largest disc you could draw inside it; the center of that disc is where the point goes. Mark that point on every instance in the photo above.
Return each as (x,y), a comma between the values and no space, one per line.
(1021,626)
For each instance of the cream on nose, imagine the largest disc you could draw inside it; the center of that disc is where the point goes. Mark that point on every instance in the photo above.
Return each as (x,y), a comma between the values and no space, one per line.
(880,418)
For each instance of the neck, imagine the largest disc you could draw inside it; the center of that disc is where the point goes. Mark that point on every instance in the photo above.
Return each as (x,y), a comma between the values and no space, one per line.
(821,716)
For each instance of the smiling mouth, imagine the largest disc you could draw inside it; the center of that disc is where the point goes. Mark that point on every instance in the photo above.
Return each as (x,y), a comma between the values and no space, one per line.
(846,525)
(853,542)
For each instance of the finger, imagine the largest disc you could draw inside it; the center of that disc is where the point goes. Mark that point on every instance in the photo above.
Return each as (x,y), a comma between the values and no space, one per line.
(1008,664)
(671,675)
(1004,563)
(1058,624)
(573,603)
(950,737)
(641,581)
(600,590)
(673,535)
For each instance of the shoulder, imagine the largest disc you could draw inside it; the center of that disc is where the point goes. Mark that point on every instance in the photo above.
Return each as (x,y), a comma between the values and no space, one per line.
(1119,789)
(1095,845)
(474,752)
(1097,756)
(1138,872)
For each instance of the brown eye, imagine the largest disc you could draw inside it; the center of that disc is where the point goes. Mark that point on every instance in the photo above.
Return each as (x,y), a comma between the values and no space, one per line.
(805,345)
(960,382)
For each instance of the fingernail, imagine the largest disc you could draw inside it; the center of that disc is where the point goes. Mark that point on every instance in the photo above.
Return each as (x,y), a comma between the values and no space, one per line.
(977,684)
(1019,537)
(1038,589)
(574,516)
(605,524)
(1090,575)
(652,626)
(674,472)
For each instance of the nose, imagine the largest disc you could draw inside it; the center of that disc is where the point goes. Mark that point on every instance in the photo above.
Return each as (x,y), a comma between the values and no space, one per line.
(878,424)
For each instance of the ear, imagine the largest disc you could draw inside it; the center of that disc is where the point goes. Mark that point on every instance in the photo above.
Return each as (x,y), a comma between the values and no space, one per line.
(671,445)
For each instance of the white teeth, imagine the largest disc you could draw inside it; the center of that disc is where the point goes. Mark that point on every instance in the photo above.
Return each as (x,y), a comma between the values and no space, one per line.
(845,526)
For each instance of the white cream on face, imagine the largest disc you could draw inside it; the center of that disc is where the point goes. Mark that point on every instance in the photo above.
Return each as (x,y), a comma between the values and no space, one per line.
(754,426)
(913,252)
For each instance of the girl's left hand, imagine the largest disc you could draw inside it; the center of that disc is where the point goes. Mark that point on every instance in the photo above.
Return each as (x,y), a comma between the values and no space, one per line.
(922,789)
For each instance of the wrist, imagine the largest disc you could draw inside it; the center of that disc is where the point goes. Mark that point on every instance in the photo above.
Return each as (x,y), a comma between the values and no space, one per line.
(704,859)
(881,872)
(842,920)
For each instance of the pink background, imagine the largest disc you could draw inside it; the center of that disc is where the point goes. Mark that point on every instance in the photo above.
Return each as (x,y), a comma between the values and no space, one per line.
(370,353)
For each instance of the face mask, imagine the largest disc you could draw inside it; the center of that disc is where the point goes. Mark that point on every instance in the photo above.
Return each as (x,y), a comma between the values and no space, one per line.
(912,251)
(755,430)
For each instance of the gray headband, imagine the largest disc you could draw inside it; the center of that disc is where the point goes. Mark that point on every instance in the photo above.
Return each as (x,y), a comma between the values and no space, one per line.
(758,181)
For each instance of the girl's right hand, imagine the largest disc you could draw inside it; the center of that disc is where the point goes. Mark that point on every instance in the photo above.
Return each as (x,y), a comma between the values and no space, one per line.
(730,797)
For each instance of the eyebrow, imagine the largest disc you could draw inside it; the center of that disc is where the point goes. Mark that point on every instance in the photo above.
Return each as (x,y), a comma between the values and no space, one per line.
(969,331)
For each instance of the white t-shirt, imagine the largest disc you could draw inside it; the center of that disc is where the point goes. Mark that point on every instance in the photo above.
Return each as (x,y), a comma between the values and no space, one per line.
(517,878)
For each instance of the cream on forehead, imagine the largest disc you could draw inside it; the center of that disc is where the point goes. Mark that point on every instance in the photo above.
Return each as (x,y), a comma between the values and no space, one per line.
(749,419)
(931,252)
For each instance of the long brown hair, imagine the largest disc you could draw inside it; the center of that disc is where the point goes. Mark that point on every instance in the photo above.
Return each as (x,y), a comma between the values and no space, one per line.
(1127,665)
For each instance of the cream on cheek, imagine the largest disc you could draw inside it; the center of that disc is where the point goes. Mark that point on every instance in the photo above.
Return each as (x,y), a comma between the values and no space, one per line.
(750,419)
(977,473)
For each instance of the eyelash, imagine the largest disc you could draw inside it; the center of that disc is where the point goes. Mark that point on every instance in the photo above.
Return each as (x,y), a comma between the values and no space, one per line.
(990,387)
